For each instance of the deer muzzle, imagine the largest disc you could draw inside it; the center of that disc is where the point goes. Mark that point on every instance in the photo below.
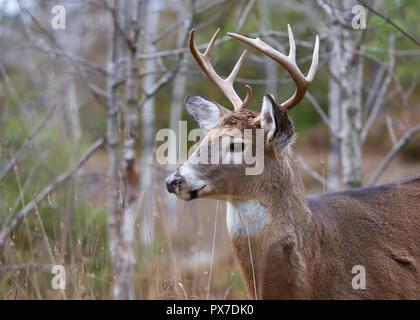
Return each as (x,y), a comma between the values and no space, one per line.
(174,182)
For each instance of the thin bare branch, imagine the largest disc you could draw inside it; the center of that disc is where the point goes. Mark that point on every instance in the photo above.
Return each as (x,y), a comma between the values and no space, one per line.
(313,173)
(388,20)
(18,154)
(244,15)
(390,128)
(15,96)
(380,100)
(321,112)
(391,154)
(76,59)
(165,79)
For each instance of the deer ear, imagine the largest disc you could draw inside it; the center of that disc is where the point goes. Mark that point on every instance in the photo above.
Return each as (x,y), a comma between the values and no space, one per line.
(276,123)
(205,113)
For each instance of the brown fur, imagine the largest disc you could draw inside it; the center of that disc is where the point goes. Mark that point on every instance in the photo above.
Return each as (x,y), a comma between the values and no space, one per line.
(310,245)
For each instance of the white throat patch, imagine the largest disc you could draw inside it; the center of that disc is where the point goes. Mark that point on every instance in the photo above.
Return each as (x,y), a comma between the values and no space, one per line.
(245,217)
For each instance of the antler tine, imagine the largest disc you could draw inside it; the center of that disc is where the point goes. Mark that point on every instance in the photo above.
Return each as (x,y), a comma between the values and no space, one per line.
(231,78)
(225,85)
(287,62)
(314,64)
(292,44)
(211,44)
(248,97)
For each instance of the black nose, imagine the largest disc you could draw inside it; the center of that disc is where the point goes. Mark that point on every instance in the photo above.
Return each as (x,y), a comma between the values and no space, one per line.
(173,182)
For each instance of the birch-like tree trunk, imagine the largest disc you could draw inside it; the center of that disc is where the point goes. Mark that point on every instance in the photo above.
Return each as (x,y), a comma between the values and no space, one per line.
(351,70)
(180,79)
(269,64)
(334,103)
(147,233)
(123,284)
(131,178)
(177,100)
(344,95)
(351,120)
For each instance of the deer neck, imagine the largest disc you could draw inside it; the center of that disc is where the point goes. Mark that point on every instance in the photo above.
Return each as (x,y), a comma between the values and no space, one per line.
(280,201)
(272,229)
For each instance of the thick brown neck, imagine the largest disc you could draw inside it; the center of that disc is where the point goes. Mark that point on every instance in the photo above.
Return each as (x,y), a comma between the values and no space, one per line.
(301,253)
(284,193)
(279,256)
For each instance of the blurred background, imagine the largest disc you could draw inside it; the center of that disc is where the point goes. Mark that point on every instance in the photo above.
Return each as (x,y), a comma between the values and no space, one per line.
(85,86)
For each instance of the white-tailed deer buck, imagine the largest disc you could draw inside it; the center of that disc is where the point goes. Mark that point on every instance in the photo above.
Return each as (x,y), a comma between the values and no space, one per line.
(288,245)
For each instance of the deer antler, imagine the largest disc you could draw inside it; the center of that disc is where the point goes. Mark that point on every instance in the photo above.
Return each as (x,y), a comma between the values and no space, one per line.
(288,62)
(225,85)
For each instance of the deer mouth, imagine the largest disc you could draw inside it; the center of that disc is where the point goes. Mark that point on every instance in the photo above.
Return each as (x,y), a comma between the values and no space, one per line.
(179,186)
(190,195)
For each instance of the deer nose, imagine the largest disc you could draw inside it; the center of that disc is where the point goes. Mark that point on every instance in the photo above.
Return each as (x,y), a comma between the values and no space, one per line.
(173,182)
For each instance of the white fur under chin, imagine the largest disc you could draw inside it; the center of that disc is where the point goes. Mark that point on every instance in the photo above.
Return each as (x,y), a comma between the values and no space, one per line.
(245,217)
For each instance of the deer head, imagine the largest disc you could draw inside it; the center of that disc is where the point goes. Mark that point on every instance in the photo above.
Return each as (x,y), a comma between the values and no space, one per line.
(227,178)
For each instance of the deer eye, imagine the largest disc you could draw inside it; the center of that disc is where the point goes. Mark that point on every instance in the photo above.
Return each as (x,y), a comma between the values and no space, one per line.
(236,147)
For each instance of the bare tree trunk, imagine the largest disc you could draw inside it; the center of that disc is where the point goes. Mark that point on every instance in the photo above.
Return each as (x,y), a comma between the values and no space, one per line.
(334,104)
(344,96)
(181,78)
(147,233)
(351,70)
(269,64)
(177,101)
(131,178)
(123,284)
(351,146)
